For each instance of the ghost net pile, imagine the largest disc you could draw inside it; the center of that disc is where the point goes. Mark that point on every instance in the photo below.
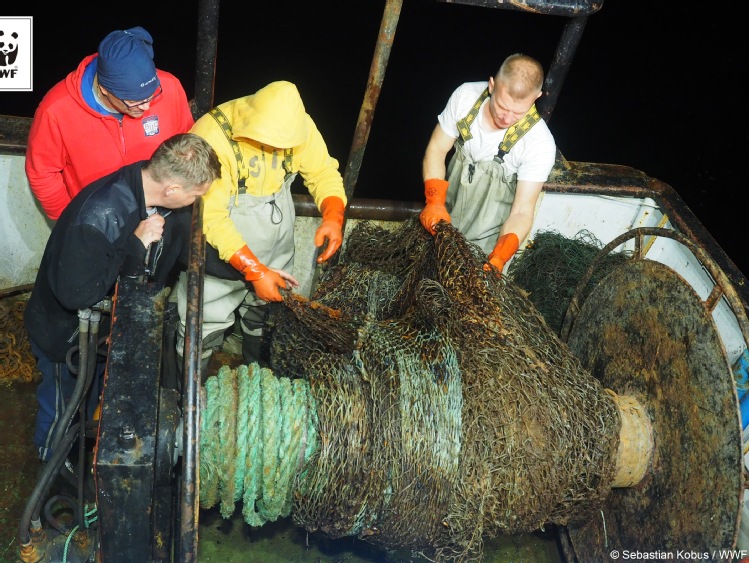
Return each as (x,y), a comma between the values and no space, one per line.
(17,363)
(550,267)
(446,408)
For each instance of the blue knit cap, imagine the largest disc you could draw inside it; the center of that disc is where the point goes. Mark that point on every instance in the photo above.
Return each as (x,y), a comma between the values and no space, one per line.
(125,64)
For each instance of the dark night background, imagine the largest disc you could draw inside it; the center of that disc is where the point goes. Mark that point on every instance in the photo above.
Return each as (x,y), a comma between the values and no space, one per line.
(653,85)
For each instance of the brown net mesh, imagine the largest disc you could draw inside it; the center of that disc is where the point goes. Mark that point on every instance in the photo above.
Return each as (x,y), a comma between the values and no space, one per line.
(17,363)
(447,409)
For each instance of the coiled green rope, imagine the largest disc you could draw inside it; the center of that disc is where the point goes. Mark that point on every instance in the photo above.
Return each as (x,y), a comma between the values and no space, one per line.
(257,432)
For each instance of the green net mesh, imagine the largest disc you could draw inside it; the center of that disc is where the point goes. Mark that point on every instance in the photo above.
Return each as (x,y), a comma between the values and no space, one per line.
(438,409)
(550,267)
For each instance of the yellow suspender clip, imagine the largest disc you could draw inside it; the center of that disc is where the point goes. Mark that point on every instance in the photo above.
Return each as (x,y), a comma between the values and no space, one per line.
(512,135)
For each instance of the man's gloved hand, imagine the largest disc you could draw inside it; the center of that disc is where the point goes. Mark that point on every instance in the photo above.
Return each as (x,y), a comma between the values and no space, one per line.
(265,281)
(331,228)
(506,246)
(434,211)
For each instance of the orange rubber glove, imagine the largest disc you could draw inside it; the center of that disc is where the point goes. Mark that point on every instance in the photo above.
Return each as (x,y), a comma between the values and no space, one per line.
(506,246)
(331,228)
(434,211)
(265,281)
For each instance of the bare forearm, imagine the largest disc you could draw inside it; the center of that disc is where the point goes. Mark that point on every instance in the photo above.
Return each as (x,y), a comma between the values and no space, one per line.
(520,224)
(433,166)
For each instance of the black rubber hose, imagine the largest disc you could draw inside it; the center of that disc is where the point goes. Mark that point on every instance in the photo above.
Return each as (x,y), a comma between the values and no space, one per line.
(55,522)
(43,483)
(82,385)
(82,382)
(93,343)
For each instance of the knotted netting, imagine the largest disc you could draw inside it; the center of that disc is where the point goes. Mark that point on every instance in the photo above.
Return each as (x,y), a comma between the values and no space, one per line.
(445,409)
(551,265)
(17,363)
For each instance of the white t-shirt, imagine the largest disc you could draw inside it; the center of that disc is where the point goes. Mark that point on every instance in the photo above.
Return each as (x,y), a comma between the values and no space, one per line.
(531,158)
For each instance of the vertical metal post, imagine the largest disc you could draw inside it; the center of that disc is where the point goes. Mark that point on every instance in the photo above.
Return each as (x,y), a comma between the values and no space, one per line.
(205,62)
(190,486)
(371,95)
(560,65)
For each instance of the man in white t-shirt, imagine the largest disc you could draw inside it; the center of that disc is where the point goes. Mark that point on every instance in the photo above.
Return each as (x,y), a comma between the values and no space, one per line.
(504,153)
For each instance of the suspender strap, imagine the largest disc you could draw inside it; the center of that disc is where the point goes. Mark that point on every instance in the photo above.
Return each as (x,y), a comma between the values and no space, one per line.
(287,154)
(464,125)
(223,122)
(512,135)
(242,172)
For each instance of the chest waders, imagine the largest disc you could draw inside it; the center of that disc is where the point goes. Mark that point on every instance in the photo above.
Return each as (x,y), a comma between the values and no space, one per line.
(480,194)
(266,224)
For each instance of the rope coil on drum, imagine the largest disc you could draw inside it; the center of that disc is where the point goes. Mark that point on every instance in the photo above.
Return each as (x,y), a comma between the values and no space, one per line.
(438,406)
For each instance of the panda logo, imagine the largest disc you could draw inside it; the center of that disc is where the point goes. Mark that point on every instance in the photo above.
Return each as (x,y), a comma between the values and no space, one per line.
(8,48)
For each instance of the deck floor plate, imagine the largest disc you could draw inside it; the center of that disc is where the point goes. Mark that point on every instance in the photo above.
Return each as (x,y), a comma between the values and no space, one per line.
(643,331)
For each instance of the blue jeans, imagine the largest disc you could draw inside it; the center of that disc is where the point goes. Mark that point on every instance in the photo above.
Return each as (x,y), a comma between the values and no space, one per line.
(54,392)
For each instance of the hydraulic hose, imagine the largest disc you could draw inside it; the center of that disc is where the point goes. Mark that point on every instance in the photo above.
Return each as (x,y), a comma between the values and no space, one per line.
(88,328)
(55,522)
(42,483)
(92,346)
(81,385)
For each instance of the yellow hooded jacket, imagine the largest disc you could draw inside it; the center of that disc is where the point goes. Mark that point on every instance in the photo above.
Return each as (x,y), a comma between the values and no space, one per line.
(263,124)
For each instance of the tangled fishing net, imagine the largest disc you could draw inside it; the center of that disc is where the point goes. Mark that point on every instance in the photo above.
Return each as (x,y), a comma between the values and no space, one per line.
(550,267)
(417,401)
(17,363)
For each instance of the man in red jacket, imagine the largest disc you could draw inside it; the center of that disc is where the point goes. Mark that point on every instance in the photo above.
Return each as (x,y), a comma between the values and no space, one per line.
(113,110)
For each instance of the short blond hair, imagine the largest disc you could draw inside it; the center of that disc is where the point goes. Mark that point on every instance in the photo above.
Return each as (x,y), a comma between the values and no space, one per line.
(521,75)
(184,158)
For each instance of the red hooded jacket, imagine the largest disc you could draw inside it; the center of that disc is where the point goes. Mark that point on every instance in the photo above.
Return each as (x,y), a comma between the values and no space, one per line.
(70,144)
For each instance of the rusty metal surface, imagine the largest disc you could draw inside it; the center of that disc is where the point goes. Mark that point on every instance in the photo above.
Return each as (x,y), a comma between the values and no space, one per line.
(723,287)
(126,445)
(624,181)
(189,496)
(568,8)
(363,208)
(205,60)
(380,59)
(560,65)
(644,332)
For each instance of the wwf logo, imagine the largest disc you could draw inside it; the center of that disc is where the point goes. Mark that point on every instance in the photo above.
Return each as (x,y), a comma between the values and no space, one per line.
(8,48)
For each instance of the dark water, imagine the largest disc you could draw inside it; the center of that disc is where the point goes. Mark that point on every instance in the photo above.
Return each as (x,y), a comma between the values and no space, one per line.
(654,85)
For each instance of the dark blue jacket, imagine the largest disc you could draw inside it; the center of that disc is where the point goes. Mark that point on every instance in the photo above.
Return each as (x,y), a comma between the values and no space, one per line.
(89,246)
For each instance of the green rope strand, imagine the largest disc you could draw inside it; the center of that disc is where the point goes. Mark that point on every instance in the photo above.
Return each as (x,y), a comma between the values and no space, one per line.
(227,435)
(253,464)
(291,441)
(243,432)
(208,467)
(258,432)
(271,440)
(274,500)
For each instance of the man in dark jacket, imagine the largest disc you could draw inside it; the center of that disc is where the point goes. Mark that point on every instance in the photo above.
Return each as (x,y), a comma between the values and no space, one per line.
(103,233)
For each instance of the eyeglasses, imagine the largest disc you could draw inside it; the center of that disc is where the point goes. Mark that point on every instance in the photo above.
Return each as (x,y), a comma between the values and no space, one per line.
(142,103)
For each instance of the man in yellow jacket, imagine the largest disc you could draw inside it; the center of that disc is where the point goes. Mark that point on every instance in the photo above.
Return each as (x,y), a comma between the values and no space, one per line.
(263,141)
